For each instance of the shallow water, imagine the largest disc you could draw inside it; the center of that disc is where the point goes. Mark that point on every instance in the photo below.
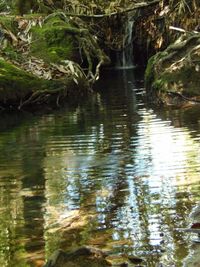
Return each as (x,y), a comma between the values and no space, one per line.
(112,173)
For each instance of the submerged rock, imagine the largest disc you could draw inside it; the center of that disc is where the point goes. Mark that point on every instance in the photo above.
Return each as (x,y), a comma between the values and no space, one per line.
(82,257)
(173,76)
(90,257)
(135,259)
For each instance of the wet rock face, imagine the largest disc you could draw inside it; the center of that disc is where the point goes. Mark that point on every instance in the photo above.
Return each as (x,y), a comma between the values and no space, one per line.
(173,76)
(82,257)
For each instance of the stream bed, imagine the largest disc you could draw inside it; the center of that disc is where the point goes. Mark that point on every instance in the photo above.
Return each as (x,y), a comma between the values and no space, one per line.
(113,173)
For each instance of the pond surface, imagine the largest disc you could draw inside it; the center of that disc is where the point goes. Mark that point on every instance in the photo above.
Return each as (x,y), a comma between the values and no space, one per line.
(113,173)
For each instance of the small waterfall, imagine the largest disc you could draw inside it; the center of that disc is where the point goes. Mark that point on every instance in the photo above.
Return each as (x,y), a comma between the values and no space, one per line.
(125,56)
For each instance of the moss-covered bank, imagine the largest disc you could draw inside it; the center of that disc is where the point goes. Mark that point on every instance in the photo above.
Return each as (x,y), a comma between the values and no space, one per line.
(19,88)
(173,76)
(42,60)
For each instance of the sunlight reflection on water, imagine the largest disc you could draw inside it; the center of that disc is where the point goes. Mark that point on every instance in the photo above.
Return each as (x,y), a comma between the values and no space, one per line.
(134,181)
(113,174)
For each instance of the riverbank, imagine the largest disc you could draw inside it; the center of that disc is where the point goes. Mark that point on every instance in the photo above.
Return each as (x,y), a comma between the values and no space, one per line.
(58,53)
(173,75)
(42,60)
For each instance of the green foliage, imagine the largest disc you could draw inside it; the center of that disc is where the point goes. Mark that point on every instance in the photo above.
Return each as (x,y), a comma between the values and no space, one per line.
(12,54)
(150,72)
(168,74)
(7,23)
(52,42)
(3,6)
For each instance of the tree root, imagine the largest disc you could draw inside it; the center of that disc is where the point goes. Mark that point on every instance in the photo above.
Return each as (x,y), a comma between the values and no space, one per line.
(41,96)
(184,98)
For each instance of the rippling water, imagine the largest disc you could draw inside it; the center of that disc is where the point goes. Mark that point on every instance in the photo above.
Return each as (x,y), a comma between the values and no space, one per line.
(112,173)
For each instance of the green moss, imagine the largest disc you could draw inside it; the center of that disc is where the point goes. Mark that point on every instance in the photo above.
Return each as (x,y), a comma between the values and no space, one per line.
(178,82)
(149,72)
(53,42)
(12,54)
(187,79)
(8,22)
(16,83)
(3,6)
(27,6)
(160,84)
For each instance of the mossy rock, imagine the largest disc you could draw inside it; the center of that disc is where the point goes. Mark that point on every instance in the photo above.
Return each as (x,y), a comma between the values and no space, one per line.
(35,48)
(173,76)
(15,82)
(55,41)
(18,87)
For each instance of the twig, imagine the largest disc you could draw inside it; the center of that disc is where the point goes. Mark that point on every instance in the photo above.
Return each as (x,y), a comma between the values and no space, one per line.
(183,97)
(181,30)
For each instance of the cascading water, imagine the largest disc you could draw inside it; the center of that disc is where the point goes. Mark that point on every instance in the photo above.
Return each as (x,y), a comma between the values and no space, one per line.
(125,56)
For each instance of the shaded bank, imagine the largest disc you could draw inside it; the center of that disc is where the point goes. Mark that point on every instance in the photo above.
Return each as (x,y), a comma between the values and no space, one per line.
(20,88)
(46,60)
(68,46)
(172,76)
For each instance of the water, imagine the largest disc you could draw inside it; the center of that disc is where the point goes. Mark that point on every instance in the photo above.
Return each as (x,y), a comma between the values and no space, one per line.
(125,56)
(113,173)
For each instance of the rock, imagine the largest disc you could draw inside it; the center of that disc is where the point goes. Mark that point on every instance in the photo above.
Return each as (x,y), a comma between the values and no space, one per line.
(135,259)
(41,63)
(19,88)
(82,257)
(172,77)
(124,264)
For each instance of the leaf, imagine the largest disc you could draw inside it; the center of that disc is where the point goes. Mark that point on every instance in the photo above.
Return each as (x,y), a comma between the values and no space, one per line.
(71,67)
(48,75)
(75,80)
(76,74)
(62,69)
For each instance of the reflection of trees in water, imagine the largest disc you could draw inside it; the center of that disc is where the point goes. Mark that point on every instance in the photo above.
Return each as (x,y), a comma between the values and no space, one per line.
(166,204)
(21,221)
(100,160)
(22,188)
(184,118)
(132,196)
(10,219)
